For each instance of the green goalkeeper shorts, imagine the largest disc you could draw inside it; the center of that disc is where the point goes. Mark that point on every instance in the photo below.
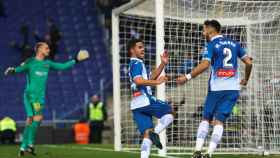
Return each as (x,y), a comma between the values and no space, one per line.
(33,107)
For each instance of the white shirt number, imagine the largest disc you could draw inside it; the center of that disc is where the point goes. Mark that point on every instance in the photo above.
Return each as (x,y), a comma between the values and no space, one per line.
(228,56)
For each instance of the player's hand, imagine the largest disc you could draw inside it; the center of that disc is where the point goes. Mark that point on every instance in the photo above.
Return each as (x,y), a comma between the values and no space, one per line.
(243,82)
(164,57)
(9,70)
(181,79)
(162,79)
(82,55)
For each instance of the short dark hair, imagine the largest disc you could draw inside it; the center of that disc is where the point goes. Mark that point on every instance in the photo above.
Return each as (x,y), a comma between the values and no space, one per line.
(213,23)
(131,43)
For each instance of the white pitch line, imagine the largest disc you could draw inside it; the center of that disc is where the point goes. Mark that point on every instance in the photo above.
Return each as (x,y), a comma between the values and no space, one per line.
(96,149)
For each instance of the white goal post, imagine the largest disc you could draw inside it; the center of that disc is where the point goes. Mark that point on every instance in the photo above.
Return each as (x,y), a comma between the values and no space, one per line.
(176,25)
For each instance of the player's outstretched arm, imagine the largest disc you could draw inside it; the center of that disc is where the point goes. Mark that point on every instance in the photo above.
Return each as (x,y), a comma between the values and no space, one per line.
(81,56)
(140,81)
(248,69)
(195,72)
(12,70)
(164,61)
(62,66)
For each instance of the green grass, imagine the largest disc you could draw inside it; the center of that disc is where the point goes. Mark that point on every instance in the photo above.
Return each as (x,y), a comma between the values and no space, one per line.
(90,151)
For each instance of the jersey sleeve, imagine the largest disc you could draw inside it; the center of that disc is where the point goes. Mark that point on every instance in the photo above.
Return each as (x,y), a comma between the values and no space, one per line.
(241,52)
(208,52)
(136,70)
(61,66)
(23,66)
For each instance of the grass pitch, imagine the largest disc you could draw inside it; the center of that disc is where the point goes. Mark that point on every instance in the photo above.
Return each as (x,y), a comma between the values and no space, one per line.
(92,151)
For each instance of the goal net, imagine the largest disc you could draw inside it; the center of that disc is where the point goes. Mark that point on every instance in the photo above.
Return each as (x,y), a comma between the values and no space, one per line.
(255,122)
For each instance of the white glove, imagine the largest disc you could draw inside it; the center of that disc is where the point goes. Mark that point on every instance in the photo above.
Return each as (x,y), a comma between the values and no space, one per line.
(82,55)
(9,70)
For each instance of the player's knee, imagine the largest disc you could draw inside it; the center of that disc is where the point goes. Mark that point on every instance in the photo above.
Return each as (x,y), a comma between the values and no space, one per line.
(218,122)
(146,133)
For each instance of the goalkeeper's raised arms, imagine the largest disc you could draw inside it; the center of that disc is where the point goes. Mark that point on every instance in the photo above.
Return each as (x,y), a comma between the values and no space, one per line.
(9,70)
(82,55)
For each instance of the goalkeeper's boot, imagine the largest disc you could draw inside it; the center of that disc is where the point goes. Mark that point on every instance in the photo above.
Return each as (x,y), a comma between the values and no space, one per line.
(197,154)
(155,139)
(21,153)
(31,150)
(207,156)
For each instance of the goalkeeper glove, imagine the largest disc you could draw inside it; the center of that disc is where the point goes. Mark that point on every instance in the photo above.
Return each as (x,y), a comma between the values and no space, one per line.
(9,70)
(82,55)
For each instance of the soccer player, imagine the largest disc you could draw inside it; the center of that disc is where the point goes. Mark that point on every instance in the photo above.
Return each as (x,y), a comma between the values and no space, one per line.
(144,105)
(37,69)
(224,84)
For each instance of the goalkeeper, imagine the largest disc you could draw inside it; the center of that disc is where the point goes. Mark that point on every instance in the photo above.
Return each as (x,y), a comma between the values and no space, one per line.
(37,69)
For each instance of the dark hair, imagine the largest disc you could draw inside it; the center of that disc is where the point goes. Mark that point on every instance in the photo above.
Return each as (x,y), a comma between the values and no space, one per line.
(38,45)
(213,23)
(131,43)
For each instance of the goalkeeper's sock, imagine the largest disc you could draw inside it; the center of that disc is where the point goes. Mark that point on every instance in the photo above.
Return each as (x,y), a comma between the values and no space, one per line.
(33,131)
(216,138)
(25,138)
(146,148)
(164,122)
(201,135)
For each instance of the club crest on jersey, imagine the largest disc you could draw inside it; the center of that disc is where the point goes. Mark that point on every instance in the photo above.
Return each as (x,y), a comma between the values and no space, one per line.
(226,73)
(47,65)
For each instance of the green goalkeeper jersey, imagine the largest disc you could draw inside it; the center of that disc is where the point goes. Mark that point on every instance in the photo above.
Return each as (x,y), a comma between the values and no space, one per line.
(37,75)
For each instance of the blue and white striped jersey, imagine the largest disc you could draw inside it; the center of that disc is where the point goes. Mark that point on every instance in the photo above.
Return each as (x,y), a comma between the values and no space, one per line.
(141,94)
(223,53)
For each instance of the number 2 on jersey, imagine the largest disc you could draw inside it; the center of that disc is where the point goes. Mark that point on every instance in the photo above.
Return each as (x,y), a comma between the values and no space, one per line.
(228,56)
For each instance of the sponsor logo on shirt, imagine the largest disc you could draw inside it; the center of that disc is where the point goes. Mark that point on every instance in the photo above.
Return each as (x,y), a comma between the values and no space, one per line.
(226,72)
(40,73)
(136,94)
